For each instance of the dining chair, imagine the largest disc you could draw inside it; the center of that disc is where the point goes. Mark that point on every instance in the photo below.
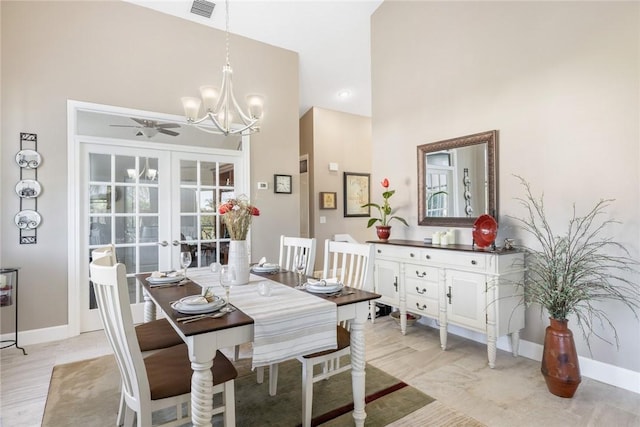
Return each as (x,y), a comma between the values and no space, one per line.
(352,264)
(162,379)
(290,249)
(154,335)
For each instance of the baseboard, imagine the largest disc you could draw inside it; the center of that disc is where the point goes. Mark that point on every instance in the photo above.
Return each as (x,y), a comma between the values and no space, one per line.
(609,374)
(39,336)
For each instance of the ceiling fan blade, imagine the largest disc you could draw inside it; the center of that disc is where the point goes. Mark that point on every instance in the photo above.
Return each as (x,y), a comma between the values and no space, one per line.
(124,126)
(143,122)
(168,132)
(167,125)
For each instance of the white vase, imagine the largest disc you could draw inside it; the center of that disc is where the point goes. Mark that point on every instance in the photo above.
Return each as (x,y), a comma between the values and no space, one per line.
(239,259)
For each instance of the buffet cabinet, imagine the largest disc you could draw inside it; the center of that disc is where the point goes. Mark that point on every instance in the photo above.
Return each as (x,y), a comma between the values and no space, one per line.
(479,290)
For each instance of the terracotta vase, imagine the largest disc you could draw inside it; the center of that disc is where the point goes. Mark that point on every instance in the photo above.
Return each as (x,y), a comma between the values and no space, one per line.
(560,366)
(239,259)
(383,232)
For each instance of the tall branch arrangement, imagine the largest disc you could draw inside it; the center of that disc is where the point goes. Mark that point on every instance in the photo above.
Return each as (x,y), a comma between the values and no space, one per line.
(569,273)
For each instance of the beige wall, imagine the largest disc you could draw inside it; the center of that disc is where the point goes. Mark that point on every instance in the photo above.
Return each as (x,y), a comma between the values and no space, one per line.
(559,80)
(345,139)
(120,54)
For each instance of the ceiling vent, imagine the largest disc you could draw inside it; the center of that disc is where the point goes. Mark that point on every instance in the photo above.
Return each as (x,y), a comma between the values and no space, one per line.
(203,8)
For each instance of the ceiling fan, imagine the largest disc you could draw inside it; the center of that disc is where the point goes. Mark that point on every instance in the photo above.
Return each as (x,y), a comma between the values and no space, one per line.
(151,128)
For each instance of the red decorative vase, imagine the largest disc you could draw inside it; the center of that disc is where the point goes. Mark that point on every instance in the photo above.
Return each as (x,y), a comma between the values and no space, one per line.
(560,366)
(383,232)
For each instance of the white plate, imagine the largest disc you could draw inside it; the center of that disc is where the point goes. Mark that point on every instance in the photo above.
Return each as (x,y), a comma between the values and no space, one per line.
(319,289)
(162,280)
(265,268)
(28,159)
(27,219)
(214,305)
(28,188)
(186,301)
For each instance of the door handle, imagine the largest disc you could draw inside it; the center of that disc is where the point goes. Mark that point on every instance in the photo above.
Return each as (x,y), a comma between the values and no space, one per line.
(175,243)
(163,243)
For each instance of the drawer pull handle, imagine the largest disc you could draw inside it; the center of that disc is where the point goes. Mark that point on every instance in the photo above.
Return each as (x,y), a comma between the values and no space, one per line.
(424,291)
(395,283)
(420,275)
(423,308)
(379,251)
(412,255)
(449,295)
(474,262)
(428,256)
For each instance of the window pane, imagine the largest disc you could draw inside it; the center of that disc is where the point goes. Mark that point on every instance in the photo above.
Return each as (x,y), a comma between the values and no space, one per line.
(125,229)
(149,229)
(188,200)
(100,231)
(125,199)
(188,228)
(99,199)
(127,256)
(148,258)
(125,169)
(208,173)
(208,227)
(226,174)
(188,172)
(148,199)
(207,202)
(99,167)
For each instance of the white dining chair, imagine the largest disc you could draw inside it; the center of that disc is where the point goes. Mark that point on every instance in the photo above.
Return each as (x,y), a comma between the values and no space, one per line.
(154,335)
(352,264)
(161,380)
(291,247)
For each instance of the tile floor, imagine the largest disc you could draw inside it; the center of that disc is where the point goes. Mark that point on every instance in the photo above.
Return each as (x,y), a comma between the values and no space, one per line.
(512,394)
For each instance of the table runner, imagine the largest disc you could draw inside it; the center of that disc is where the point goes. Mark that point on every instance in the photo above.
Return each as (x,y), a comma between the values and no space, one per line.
(287,324)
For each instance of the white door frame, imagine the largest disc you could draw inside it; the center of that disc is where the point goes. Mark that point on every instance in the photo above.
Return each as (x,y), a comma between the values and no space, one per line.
(76,244)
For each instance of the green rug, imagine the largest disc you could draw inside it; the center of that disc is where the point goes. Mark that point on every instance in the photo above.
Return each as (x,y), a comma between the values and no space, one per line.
(87,392)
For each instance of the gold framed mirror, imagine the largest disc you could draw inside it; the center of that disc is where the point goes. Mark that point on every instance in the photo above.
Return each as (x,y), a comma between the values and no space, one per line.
(457,180)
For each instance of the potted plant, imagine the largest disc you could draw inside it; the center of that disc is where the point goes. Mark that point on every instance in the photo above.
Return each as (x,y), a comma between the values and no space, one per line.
(384,229)
(567,275)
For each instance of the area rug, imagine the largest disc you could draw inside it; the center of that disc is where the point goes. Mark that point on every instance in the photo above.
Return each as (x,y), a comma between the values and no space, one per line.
(87,393)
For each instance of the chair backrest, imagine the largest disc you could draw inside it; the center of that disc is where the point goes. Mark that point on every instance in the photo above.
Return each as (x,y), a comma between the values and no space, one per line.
(105,251)
(292,246)
(351,263)
(111,289)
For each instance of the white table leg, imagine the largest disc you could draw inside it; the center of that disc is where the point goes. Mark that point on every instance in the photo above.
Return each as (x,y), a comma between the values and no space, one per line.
(357,369)
(201,393)
(149,308)
(515,343)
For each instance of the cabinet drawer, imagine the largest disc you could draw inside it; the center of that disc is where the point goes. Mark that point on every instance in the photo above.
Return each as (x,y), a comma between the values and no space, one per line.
(421,288)
(406,253)
(420,272)
(454,259)
(422,305)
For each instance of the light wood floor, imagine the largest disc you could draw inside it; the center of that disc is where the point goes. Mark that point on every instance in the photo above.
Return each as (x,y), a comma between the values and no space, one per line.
(512,394)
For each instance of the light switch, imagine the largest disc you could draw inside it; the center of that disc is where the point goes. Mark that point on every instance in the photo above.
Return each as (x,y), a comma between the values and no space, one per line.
(323,220)
(333,167)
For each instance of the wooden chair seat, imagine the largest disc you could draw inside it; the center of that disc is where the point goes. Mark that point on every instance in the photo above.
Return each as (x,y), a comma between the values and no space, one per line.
(169,371)
(344,341)
(157,334)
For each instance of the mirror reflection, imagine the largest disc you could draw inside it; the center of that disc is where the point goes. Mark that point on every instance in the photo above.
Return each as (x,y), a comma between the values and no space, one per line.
(457,180)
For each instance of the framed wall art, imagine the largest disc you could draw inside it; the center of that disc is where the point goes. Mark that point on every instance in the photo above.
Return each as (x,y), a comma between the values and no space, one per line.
(328,200)
(356,194)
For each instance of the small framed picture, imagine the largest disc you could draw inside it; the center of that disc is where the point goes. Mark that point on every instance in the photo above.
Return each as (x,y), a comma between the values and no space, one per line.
(356,194)
(328,200)
(282,184)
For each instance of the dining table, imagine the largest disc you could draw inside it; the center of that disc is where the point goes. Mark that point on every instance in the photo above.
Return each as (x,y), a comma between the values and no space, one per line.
(206,336)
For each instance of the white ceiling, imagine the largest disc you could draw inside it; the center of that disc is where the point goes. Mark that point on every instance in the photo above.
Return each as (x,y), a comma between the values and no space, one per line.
(332,39)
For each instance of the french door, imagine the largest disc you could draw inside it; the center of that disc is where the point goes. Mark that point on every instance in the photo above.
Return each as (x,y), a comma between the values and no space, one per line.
(152,204)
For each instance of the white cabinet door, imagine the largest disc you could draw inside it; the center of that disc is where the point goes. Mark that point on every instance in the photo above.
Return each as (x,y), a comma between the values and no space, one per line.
(387,282)
(466,299)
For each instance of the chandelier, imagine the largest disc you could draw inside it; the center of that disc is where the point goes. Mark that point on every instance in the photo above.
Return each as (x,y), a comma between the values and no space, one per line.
(221,107)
